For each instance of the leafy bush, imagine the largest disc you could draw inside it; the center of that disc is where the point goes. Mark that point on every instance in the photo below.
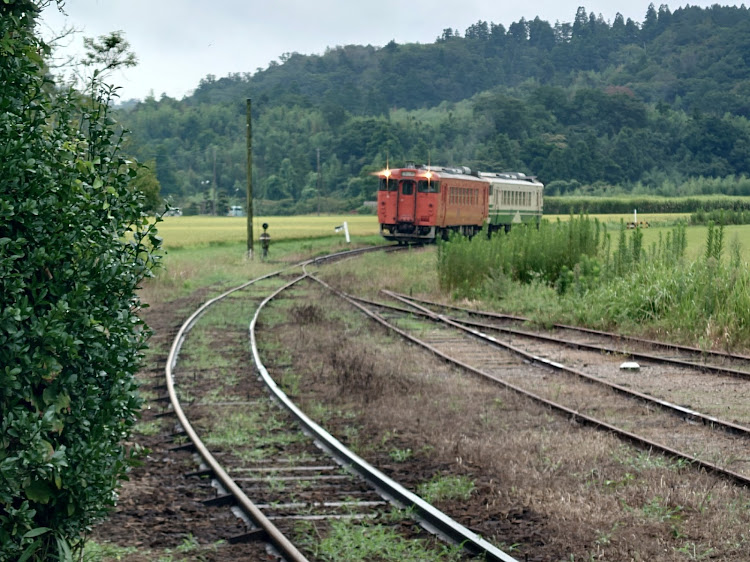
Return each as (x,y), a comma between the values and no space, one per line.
(645,204)
(523,254)
(720,216)
(74,245)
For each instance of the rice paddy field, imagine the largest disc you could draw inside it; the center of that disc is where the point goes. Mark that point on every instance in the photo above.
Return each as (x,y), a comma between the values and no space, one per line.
(195,231)
(182,232)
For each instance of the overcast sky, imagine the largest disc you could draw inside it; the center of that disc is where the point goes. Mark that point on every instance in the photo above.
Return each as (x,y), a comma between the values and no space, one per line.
(178,42)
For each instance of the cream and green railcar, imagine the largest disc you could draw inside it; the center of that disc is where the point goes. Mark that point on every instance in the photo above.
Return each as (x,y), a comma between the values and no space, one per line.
(514,198)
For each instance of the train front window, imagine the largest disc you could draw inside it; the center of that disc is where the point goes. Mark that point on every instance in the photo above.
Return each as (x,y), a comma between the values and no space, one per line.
(388,184)
(407,187)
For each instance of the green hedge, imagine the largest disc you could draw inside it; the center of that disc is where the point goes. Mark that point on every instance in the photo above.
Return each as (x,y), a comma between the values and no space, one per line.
(619,205)
(75,244)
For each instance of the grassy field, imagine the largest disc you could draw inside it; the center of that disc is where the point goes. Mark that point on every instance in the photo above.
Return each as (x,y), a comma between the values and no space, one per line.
(181,232)
(199,231)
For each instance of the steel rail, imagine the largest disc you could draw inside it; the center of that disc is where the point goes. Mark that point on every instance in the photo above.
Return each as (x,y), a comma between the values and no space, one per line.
(716,369)
(431,518)
(573,414)
(681,411)
(624,337)
(285,547)
(348,253)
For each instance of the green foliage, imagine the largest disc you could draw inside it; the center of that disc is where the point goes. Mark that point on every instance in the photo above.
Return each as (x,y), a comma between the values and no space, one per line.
(550,253)
(705,302)
(704,207)
(74,246)
(441,488)
(629,284)
(536,98)
(146,182)
(720,216)
(361,540)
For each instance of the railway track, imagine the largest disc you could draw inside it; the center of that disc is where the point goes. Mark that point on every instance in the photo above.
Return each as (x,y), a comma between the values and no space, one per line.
(712,361)
(280,477)
(536,370)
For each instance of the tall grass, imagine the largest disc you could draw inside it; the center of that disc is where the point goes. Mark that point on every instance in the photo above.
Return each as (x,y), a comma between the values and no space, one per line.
(705,302)
(604,283)
(523,254)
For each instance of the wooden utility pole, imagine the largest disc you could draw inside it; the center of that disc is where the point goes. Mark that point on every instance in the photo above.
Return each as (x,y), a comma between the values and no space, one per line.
(249,181)
(319,182)
(215,189)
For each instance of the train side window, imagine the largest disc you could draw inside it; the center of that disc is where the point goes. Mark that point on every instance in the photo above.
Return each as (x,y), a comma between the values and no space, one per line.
(425,186)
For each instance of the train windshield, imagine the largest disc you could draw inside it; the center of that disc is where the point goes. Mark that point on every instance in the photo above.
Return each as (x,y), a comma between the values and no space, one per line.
(424,186)
(407,187)
(388,184)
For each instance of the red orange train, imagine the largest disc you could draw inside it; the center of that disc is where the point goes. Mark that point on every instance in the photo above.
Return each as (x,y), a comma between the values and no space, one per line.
(418,204)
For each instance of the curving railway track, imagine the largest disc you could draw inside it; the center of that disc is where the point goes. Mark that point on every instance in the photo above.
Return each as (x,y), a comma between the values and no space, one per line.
(280,478)
(510,429)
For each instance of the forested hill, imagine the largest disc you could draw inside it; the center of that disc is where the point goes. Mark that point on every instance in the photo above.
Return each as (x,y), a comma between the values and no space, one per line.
(585,105)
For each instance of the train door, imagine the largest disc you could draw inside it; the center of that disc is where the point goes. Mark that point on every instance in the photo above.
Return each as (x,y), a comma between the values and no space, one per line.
(407,201)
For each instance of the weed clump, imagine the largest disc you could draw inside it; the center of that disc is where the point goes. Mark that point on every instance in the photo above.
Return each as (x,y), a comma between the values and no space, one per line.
(360,374)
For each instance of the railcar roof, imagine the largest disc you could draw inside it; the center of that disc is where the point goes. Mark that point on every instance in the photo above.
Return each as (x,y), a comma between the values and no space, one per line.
(445,172)
(464,172)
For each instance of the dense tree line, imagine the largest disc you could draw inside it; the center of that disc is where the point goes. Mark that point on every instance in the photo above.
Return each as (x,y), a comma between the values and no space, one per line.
(586,106)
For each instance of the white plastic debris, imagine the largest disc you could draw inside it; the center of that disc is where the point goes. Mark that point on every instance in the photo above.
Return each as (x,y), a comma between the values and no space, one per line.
(630,366)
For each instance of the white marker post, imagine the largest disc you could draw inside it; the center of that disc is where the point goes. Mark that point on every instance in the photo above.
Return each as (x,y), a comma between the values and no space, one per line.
(345,228)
